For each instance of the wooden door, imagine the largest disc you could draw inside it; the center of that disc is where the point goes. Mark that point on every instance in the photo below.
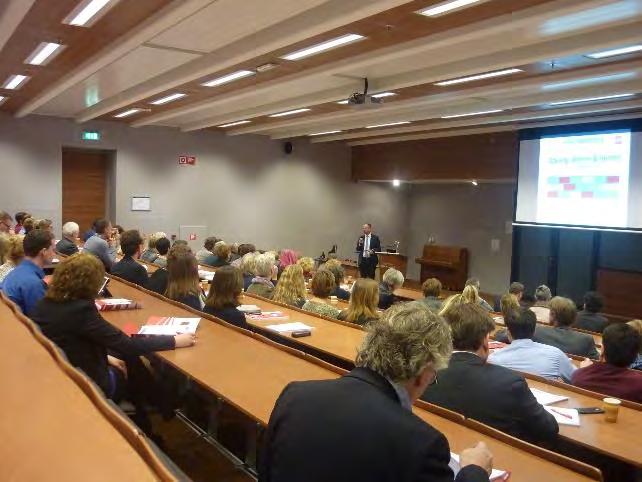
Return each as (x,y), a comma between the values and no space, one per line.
(84,186)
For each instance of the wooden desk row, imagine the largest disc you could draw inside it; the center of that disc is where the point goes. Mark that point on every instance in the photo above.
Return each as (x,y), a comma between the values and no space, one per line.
(249,372)
(55,424)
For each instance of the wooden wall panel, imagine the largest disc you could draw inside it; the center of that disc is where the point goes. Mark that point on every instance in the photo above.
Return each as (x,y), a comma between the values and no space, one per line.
(621,290)
(84,184)
(482,156)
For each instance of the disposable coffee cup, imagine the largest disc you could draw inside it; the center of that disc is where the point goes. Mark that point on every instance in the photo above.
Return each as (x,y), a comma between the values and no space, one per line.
(611,408)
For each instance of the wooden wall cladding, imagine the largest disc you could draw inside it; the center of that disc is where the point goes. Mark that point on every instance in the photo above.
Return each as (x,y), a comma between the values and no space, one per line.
(621,291)
(482,157)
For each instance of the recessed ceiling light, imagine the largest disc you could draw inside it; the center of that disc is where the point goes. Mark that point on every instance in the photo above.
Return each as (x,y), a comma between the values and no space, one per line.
(128,113)
(289,112)
(471,78)
(621,51)
(43,53)
(591,99)
(472,113)
(323,46)
(611,12)
(86,11)
(446,7)
(14,81)
(237,123)
(229,78)
(383,94)
(396,182)
(389,124)
(168,98)
(588,81)
(324,133)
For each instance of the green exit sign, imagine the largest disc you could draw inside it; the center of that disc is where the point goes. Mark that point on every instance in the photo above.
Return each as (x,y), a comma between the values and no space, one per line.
(90,135)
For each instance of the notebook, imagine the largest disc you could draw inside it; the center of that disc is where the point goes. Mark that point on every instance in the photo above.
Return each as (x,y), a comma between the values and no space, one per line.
(287,327)
(565,416)
(109,304)
(495,476)
(206,275)
(545,398)
(269,316)
(249,309)
(169,325)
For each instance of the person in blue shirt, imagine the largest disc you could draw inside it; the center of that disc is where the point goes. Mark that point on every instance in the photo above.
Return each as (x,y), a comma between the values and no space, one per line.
(525,355)
(25,285)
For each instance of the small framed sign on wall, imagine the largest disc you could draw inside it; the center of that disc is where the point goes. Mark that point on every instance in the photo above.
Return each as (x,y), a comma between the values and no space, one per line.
(141,203)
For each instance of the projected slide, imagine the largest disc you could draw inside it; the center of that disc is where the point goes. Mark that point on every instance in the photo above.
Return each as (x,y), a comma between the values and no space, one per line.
(584,179)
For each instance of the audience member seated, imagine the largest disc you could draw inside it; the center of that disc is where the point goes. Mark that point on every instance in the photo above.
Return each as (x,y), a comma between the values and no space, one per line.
(471,295)
(482,302)
(234,252)
(561,335)
(102,245)
(162,247)
(307,264)
(183,283)
(611,375)
(45,224)
(392,280)
(491,394)
(6,223)
(507,304)
(223,297)
(28,225)
(637,325)
(287,257)
(542,300)
(20,217)
(68,317)
(291,287)
(13,255)
(222,253)
(517,290)
(67,245)
(206,250)
(432,290)
(339,273)
(90,232)
(451,302)
(321,287)
(247,267)
(25,285)
(589,318)
(264,271)
(244,249)
(525,355)
(212,259)
(150,254)
(128,268)
(363,302)
(362,424)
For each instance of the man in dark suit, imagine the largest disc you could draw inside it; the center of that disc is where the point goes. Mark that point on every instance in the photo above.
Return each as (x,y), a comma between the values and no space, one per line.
(491,394)
(128,268)
(589,318)
(360,428)
(561,335)
(367,246)
(67,245)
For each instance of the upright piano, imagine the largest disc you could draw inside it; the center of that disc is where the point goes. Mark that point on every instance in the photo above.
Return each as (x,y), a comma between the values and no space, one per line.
(449,264)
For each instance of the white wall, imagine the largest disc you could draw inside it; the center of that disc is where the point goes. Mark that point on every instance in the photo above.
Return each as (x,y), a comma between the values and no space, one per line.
(243,188)
(466,216)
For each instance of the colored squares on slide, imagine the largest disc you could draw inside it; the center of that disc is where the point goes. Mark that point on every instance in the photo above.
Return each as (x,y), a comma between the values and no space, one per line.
(584,187)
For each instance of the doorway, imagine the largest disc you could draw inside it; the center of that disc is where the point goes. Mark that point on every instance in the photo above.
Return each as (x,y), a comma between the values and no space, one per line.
(85,174)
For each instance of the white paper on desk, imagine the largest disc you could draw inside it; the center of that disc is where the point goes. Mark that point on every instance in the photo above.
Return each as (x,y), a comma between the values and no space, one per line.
(115,301)
(249,308)
(454,465)
(169,326)
(565,416)
(499,320)
(206,275)
(545,398)
(285,327)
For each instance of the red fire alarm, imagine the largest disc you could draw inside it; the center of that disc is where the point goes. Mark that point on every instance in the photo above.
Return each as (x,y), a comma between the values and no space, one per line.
(192,237)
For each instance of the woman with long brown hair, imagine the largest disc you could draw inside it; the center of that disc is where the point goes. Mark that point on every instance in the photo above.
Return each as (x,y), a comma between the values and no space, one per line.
(182,277)
(224,294)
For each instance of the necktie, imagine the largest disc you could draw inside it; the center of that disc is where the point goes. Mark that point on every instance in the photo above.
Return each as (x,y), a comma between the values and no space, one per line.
(366,246)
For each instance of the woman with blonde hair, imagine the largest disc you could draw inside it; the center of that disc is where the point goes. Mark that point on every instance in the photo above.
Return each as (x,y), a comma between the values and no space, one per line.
(183,284)
(291,287)
(470,295)
(322,285)
(363,302)
(247,267)
(13,254)
(222,252)
(150,254)
(264,271)
(451,302)
(307,264)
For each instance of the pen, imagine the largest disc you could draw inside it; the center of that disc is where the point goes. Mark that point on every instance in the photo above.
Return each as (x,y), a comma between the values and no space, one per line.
(559,413)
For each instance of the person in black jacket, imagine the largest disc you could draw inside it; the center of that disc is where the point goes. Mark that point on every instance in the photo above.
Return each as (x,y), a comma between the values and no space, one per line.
(491,394)
(360,427)
(223,297)
(131,242)
(368,245)
(68,316)
(67,245)
(589,318)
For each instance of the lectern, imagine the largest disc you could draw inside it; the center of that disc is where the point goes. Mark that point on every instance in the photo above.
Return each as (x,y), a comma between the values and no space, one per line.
(449,264)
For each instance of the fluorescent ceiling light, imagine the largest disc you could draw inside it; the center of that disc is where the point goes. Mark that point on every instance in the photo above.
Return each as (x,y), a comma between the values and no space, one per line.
(289,112)
(322,47)
(621,51)
(472,113)
(2,99)
(446,7)
(86,11)
(389,124)
(383,94)
(237,123)
(343,102)
(128,113)
(396,182)
(588,81)
(323,133)
(229,78)
(168,98)
(43,53)
(614,11)
(14,81)
(591,99)
(473,182)
(471,78)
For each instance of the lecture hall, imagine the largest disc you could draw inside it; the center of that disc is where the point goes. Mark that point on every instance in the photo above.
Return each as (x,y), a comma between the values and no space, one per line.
(321,240)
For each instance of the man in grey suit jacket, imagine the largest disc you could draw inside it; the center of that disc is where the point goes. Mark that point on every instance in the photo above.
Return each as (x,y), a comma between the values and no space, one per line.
(561,335)
(100,244)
